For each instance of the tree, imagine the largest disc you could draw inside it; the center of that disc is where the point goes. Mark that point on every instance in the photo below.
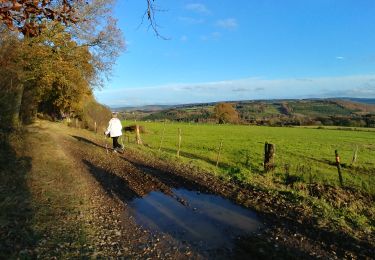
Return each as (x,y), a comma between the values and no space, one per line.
(52,69)
(11,73)
(225,113)
(66,48)
(49,73)
(98,31)
(90,22)
(28,16)
(67,81)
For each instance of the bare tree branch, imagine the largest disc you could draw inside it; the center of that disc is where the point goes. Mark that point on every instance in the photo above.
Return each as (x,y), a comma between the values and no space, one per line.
(150,13)
(28,16)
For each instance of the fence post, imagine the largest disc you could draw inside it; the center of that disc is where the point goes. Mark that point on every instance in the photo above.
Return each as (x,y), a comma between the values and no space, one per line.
(269,153)
(137,135)
(162,137)
(95,127)
(355,155)
(179,142)
(218,154)
(338,167)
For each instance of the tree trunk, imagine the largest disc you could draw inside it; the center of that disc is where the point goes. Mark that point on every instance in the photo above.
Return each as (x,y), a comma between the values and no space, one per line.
(16,118)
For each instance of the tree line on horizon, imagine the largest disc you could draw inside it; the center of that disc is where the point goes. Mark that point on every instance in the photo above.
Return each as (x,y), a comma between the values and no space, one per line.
(268,113)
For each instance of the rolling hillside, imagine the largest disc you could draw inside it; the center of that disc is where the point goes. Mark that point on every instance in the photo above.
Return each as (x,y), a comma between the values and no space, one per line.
(342,112)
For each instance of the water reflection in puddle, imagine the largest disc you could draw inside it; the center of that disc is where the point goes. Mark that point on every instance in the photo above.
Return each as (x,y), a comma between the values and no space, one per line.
(194,217)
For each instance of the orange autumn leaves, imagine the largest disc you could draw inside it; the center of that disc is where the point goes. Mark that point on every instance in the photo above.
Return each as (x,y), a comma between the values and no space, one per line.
(28,16)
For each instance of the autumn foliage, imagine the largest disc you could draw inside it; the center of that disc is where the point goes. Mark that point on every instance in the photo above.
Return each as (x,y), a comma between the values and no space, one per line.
(225,113)
(54,71)
(27,16)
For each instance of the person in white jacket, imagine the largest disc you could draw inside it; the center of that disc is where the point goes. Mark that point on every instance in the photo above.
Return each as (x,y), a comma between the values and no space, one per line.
(114,130)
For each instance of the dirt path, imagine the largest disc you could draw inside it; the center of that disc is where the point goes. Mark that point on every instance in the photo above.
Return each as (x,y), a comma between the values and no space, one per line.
(105,186)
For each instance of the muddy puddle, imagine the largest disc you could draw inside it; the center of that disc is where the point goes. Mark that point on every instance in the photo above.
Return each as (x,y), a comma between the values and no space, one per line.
(198,219)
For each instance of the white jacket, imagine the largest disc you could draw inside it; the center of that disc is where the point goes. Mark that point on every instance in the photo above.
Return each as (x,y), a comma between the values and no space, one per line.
(114,127)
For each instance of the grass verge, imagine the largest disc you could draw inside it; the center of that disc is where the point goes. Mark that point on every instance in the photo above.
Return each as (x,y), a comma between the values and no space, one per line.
(42,200)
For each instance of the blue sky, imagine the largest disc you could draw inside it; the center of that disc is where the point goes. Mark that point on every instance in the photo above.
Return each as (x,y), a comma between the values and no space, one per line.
(245,49)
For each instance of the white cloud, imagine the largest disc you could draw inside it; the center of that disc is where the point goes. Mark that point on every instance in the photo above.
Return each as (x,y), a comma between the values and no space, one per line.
(211,36)
(191,20)
(198,8)
(183,38)
(243,89)
(229,23)
(216,35)
(340,58)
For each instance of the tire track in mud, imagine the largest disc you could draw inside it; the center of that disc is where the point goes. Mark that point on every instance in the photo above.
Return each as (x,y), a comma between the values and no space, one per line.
(118,234)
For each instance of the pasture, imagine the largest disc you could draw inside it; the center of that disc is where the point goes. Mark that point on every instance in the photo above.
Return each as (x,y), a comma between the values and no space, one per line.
(306,153)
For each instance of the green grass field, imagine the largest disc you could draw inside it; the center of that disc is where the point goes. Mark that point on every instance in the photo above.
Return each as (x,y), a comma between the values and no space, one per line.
(319,109)
(308,152)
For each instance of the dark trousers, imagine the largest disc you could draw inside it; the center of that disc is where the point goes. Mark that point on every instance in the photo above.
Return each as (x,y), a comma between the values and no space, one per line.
(115,142)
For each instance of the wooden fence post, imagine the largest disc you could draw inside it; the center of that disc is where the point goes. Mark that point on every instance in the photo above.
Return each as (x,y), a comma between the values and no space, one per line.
(137,135)
(218,154)
(269,153)
(338,167)
(355,155)
(76,122)
(96,127)
(179,142)
(162,137)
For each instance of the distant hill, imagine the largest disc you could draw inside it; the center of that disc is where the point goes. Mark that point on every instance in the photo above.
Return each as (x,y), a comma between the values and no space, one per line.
(148,108)
(362,100)
(338,111)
